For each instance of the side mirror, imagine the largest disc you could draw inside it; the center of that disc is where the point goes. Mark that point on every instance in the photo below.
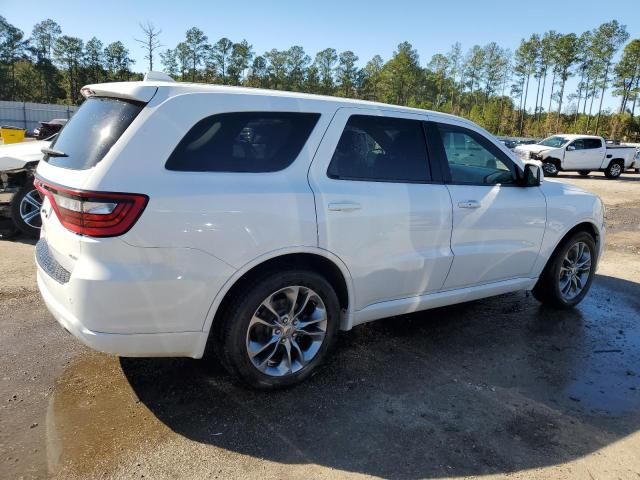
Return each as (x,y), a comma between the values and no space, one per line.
(532,175)
(570,148)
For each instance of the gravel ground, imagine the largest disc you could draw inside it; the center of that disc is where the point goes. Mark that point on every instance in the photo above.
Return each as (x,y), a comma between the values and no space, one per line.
(495,388)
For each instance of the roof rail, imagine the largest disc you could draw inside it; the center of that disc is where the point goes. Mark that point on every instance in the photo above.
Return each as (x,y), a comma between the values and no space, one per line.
(157,76)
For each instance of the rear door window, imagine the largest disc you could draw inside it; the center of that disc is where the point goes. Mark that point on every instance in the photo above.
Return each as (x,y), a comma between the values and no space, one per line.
(243,142)
(590,143)
(381,149)
(91,132)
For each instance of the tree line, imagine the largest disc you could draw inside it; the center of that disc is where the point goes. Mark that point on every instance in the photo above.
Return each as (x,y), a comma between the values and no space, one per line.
(488,84)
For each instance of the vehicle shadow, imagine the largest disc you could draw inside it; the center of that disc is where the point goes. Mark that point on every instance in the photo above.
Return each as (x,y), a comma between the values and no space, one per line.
(492,386)
(625,177)
(9,232)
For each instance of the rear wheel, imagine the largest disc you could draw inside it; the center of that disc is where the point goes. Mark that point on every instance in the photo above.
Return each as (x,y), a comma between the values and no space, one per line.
(614,170)
(584,173)
(567,277)
(278,328)
(25,210)
(550,169)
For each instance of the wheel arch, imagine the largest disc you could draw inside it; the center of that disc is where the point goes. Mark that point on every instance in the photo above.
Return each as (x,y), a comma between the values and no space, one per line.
(556,161)
(583,226)
(616,160)
(319,260)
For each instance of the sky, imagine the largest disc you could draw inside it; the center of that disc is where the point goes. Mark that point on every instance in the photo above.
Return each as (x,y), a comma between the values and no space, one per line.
(366,27)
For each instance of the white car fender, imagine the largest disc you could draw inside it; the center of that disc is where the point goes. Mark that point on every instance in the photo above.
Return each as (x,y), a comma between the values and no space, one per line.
(346,322)
(562,216)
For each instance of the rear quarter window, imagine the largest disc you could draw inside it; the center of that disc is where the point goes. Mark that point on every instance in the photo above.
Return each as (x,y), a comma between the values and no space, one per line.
(592,143)
(243,142)
(91,132)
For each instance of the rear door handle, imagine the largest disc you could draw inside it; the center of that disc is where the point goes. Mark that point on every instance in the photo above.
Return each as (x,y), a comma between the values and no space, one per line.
(469,204)
(344,206)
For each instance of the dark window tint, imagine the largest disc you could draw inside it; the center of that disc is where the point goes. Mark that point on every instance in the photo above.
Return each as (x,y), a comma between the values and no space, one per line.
(592,143)
(92,131)
(473,159)
(243,142)
(381,149)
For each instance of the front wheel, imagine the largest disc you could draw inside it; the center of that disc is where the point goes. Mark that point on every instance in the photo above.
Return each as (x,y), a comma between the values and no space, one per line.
(550,169)
(25,210)
(614,170)
(567,277)
(277,329)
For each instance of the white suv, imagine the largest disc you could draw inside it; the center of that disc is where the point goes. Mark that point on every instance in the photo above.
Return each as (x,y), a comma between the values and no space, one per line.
(258,223)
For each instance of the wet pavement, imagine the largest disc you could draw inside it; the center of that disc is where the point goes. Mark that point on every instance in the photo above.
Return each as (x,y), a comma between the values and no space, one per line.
(495,387)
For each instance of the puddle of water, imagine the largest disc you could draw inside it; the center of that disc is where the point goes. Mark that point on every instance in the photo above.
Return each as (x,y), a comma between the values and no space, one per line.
(607,379)
(93,416)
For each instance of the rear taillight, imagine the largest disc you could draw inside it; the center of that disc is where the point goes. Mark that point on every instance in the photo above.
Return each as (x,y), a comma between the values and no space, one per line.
(94,214)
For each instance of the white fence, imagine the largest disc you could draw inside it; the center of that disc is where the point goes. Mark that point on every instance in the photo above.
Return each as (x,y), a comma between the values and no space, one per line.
(27,115)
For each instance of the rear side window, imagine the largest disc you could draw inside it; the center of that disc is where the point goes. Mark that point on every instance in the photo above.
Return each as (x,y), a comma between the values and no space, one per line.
(592,143)
(92,131)
(381,149)
(243,142)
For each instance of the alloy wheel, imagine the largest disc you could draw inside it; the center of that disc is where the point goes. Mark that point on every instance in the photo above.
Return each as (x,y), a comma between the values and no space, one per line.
(286,331)
(30,206)
(549,168)
(615,170)
(575,270)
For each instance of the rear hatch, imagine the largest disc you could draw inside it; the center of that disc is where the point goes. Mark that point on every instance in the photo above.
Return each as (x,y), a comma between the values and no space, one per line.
(65,169)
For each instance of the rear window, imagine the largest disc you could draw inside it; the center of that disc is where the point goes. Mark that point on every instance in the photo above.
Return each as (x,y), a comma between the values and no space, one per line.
(92,131)
(243,142)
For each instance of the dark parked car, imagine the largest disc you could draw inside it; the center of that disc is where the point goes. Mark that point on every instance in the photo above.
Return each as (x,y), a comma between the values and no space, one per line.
(510,144)
(46,129)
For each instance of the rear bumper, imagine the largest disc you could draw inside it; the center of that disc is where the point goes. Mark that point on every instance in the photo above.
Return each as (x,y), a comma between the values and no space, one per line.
(130,301)
(181,344)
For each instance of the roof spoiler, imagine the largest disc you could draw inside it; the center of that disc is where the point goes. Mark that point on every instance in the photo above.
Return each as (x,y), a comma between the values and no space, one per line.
(136,91)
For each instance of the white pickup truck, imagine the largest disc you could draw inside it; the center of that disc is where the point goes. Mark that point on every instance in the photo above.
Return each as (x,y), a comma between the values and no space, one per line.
(580,153)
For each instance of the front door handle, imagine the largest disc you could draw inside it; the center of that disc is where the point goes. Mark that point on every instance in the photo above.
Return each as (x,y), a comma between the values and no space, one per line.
(344,206)
(469,204)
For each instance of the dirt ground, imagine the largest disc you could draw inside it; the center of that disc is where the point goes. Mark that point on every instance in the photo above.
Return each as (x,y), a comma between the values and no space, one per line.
(495,388)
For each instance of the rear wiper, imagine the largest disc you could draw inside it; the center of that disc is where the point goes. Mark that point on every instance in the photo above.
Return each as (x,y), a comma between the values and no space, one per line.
(53,153)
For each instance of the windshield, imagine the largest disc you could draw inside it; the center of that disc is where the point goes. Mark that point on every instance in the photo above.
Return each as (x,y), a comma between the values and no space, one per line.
(555,142)
(91,132)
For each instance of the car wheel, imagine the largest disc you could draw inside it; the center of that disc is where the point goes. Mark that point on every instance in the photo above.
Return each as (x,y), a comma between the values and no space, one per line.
(567,277)
(277,329)
(550,169)
(614,170)
(584,173)
(25,210)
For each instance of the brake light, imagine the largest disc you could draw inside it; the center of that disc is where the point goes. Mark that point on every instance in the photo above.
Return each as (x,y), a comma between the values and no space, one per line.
(94,214)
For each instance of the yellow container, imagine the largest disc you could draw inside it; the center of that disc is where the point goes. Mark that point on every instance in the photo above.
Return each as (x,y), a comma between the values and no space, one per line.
(11,135)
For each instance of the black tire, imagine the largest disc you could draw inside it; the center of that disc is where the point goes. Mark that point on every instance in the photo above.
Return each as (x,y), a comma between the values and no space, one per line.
(7,229)
(547,289)
(20,204)
(584,173)
(614,169)
(550,169)
(232,333)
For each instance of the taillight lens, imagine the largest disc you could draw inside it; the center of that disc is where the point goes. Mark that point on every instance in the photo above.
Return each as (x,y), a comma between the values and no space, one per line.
(94,214)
